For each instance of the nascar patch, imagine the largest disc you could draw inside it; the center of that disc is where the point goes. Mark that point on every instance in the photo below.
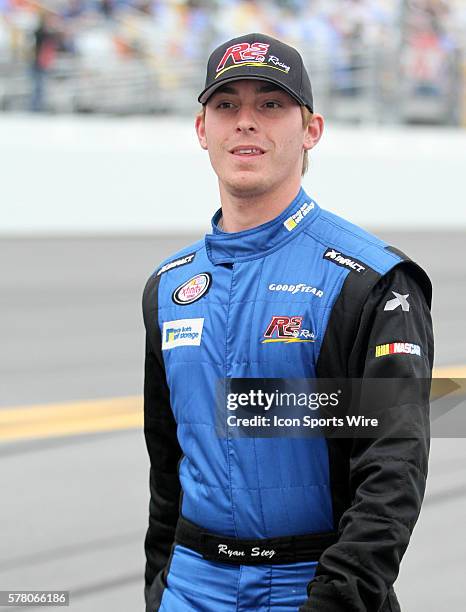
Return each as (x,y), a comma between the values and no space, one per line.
(393,348)
(176,263)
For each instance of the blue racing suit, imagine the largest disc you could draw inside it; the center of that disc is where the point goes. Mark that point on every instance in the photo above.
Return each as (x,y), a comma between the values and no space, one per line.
(305,295)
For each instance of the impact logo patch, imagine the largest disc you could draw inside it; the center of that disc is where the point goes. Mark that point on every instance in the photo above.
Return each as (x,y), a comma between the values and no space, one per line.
(183,332)
(193,289)
(344,261)
(393,348)
(182,261)
(287,329)
(298,216)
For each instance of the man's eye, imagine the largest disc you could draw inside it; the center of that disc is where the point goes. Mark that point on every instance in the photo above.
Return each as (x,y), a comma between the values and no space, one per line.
(225,105)
(272,104)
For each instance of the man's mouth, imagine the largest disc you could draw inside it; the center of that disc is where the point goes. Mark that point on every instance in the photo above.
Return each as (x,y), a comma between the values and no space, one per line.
(247,151)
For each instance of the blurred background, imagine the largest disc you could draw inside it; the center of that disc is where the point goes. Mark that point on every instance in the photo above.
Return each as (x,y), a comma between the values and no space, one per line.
(102,177)
(396,61)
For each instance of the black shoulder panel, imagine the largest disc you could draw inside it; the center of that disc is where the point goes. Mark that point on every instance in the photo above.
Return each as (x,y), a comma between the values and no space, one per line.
(378,483)
(343,324)
(344,350)
(164,452)
(416,272)
(333,362)
(151,317)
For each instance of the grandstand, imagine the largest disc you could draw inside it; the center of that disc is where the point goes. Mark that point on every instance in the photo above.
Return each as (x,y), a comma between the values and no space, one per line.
(389,61)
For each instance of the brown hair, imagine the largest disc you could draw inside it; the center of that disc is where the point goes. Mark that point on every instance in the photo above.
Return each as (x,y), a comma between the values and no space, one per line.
(306,117)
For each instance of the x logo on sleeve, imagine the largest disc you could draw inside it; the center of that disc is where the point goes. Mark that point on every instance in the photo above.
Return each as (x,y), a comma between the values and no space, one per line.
(398,300)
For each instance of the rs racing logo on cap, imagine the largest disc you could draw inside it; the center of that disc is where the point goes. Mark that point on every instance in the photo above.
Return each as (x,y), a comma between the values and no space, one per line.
(248,54)
(244,52)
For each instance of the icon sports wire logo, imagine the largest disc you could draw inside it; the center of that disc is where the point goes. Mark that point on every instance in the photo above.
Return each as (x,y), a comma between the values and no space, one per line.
(253,54)
(287,329)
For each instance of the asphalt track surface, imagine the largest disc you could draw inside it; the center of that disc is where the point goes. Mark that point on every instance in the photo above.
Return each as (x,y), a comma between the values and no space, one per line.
(73,509)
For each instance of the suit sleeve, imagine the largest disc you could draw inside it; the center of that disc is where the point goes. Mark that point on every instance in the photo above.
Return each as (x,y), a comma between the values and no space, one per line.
(164,453)
(385,477)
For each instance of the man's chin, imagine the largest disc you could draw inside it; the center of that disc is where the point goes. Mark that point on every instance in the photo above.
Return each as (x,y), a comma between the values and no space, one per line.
(247,184)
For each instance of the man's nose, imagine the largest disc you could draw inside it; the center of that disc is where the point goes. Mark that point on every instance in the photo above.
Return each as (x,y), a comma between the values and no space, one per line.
(245,119)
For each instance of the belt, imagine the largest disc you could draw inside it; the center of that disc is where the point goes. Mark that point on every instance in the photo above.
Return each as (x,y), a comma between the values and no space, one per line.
(280,550)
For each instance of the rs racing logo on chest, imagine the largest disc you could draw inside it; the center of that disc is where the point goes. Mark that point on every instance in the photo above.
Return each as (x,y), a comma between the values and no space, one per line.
(287,329)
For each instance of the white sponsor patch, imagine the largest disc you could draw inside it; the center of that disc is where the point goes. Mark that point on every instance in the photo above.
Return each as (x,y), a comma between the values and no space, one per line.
(183,332)
(298,216)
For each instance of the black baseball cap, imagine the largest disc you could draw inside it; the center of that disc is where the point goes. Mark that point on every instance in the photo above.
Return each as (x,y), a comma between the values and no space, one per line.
(257,56)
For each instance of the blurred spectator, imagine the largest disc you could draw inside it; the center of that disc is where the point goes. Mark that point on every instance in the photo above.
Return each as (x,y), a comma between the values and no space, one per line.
(44,53)
(106,7)
(74,9)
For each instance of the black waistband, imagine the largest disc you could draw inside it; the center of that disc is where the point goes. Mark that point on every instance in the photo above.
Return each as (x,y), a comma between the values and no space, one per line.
(285,549)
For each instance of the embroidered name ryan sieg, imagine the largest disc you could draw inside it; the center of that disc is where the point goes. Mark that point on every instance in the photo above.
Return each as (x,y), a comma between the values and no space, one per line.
(255,551)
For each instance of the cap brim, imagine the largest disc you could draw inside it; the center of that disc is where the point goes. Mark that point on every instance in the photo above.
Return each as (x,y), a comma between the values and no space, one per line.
(208,91)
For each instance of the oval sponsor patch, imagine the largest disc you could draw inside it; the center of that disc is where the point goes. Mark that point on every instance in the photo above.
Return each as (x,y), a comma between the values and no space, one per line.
(193,289)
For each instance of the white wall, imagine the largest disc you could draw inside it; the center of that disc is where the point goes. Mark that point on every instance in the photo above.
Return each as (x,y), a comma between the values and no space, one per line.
(93,174)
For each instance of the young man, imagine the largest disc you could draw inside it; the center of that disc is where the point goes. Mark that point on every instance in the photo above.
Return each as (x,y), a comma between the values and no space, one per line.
(280,289)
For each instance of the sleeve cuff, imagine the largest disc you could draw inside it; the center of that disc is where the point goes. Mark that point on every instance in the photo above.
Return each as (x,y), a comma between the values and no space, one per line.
(323,598)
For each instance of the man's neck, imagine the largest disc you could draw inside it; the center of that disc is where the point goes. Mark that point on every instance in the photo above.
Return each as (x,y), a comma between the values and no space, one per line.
(242,213)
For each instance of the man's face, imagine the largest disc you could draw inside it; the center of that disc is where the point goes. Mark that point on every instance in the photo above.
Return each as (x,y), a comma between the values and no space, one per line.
(254,134)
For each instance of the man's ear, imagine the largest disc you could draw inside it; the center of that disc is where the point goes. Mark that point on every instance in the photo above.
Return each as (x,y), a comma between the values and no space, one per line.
(199,124)
(314,131)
